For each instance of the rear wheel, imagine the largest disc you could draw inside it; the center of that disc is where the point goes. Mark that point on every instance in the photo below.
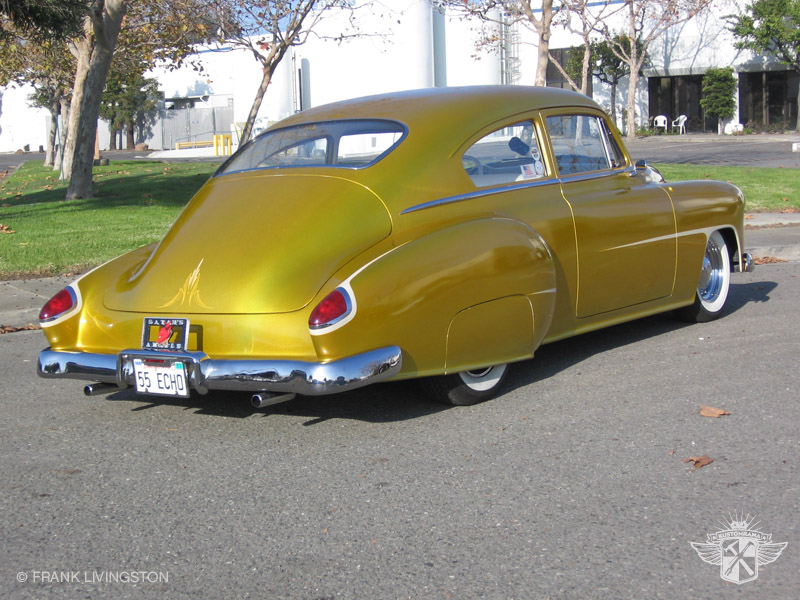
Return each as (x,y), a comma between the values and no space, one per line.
(715,280)
(467,387)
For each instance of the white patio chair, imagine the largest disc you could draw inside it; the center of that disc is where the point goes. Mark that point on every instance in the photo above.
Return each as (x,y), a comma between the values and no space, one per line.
(660,122)
(680,124)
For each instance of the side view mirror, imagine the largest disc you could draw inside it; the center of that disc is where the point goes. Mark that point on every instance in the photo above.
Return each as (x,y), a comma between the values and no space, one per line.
(650,173)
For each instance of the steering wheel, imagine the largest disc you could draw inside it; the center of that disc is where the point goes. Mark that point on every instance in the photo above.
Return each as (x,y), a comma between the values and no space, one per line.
(476,168)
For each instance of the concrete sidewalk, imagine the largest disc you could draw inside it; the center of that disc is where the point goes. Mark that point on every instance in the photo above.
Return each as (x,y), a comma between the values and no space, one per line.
(766,235)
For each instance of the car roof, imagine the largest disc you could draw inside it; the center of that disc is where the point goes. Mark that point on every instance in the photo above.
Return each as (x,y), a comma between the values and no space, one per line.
(445,106)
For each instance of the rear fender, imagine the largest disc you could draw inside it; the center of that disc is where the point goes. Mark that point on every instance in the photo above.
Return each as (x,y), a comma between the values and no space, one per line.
(419,294)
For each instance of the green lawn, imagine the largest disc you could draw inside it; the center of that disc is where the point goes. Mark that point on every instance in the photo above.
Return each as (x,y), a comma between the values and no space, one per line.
(765,190)
(136,201)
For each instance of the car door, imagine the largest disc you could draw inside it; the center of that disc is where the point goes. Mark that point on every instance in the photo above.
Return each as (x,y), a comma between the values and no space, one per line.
(624,224)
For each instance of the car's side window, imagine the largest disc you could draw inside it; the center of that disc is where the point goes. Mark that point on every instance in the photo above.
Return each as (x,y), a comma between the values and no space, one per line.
(507,155)
(580,143)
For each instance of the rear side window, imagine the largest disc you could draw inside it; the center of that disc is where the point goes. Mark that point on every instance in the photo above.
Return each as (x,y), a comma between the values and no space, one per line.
(350,143)
(508,155)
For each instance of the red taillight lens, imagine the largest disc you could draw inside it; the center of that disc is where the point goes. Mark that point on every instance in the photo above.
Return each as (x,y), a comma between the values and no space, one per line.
(58,305)
(333,308)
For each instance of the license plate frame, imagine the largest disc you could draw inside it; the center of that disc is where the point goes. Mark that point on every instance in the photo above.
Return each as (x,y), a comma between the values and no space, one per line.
(165,333)
(161,377)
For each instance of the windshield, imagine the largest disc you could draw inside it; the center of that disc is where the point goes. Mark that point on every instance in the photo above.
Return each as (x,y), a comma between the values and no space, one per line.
(347,144)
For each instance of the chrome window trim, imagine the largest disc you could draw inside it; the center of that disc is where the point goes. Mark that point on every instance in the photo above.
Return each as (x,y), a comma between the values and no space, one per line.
(595,175)
(404,134)
(604,133)
(513,187)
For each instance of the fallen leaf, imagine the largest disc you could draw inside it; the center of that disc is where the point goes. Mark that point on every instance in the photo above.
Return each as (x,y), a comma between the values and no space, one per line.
(767,260)
(12,328)
(671,452)
(748,217)
(699,461)
(710,411)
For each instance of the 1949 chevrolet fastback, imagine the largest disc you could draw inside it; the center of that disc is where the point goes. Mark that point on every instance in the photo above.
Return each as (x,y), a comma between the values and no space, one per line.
(440,234)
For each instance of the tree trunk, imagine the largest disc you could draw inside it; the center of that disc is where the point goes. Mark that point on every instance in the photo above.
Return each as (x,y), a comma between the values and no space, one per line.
(50,151)
(543,52)
(542,60)
(614,102)
(80,183)
(585,73)
(59,154)
(82,49)
(112,136)
(633,81)
(633,68)
(247,130)
(107,21)
(130,130)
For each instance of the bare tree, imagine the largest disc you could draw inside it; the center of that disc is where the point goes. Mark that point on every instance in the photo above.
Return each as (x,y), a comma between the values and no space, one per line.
(583,17)
(504,13)
(268,29)
(646,20)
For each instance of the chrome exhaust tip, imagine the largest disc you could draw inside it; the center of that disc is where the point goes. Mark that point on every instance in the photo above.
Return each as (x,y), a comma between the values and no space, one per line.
(266,399)
(94,389)
(749,264)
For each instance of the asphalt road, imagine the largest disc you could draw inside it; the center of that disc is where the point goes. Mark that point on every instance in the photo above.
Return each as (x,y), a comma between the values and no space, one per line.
(570,485)
(713,150)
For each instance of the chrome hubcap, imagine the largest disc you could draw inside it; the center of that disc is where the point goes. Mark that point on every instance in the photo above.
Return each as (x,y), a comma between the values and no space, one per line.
(483,379)
(712,276)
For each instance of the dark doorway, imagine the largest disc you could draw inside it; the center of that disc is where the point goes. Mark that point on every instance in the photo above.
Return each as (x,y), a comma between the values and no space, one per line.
(768,98)
(676,96)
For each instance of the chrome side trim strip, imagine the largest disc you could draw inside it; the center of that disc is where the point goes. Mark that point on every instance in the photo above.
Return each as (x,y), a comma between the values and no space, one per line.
(479,194)
(512,187)
(245,375)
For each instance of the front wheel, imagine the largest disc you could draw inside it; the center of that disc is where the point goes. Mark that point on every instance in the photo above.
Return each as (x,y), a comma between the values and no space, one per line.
(467,387)
(715,281)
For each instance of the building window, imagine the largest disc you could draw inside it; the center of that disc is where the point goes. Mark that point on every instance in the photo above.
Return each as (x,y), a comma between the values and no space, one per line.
(768,99)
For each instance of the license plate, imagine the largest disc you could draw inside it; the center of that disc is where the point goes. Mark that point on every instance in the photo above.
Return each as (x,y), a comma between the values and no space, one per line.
(162,377)
(159,333)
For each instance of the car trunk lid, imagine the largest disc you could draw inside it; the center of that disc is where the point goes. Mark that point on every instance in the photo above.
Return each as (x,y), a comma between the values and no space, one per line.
(254,243)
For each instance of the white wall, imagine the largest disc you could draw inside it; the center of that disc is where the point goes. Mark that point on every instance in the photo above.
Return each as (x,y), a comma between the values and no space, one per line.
(21,125)
(395,51)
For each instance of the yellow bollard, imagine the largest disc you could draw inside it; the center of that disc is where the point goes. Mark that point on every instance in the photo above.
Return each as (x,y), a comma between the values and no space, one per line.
(223,143)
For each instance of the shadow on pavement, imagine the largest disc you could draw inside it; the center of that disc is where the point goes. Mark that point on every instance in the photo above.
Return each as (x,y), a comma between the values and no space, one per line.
(403,400)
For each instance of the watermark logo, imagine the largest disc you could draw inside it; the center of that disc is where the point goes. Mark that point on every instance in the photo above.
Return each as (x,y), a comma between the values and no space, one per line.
(90,577)
(739,549)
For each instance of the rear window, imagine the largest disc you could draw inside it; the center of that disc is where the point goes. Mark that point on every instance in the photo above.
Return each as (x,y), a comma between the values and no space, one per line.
(346,144)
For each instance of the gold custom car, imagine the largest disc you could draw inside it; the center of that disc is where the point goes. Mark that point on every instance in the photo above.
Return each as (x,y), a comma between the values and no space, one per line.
(440,234)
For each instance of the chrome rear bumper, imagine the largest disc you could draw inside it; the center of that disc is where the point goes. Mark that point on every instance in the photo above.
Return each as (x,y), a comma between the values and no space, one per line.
(287,376)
